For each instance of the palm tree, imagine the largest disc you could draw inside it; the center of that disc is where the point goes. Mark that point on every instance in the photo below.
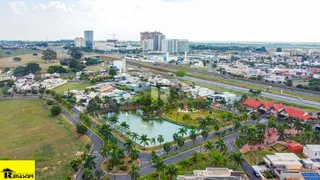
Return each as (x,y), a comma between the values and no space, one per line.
(153,141)
(175,137)
(160,139)
(134,155)
(245,117)
(195,158)
(129,145)
(124,127)
(167,147)
(75,164)
(171,171)
(135,172)
(159,166)
(205,133)
(104,151)
(113,120)
(135,136)
(98,174)
(105,131)
(237,158)
(193,136)
(209,146)
(144,139)
(88,162)
(237,125)
(183,131)
(220,145)
(180,142)
(298,125)
(218,160)
(115,154)
(281,133)
(184,165)
(255,116)
(87,174)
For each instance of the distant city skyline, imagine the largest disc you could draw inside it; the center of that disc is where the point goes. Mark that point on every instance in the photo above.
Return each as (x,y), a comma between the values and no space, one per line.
(195,20)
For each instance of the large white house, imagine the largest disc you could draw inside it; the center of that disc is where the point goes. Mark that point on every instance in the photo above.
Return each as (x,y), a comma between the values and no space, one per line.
(312,151)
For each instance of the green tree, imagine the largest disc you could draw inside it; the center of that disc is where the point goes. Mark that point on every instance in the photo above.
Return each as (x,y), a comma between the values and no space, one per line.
(129,145)
(75,53)
(159,166)
(237,158)
(181,73)
(48,55)
(144,139)
(112,72)
(279,49)
(183,131)
(195,158)
(167,147)
(135,172)
(180,142)
(184,165)
(134,155)
(135,136)
(289,82)
(55,110)
(16,59)
(88,162)
(104,151)
(87,174)
(171,171)
(220,145)
(153,141)
(75,164)
(160,139)
(81,129)
(193,135)
(187,117)
(205,133)
(33,67)
(218,160)
(209,146)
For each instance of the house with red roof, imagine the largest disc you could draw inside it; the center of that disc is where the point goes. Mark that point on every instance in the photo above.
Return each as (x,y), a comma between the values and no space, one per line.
(266,106)
(91,77)
(276,109)
(252,104)
(294,113)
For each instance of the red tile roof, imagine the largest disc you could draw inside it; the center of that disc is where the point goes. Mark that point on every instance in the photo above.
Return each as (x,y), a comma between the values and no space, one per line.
(91,77)
(278,107)
(268,105)
(297,113)
(252,103)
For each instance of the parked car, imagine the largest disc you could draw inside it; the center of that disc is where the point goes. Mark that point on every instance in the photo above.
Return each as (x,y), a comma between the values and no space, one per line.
(256,173)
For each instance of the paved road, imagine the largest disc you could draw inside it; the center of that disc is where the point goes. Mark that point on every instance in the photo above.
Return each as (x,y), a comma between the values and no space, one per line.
(269,95)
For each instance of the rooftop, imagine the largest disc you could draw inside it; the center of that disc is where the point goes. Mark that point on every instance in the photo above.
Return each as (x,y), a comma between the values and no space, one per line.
(314,147)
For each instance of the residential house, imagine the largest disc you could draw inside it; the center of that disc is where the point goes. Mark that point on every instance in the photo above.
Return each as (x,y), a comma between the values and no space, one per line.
(183,87)
(276,109)
(252,105)
(266,106)
(214,173)
(225,96)
(312,151)
(294,113)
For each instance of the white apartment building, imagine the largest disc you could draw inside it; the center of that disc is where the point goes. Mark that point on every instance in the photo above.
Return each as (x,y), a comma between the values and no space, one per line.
(312,151)
(80,42)
(175,45)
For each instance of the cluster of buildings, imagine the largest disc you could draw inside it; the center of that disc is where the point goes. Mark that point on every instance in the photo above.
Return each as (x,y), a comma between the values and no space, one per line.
(157,42)
(289,166)
(214,173)
(87,41)
(277,110)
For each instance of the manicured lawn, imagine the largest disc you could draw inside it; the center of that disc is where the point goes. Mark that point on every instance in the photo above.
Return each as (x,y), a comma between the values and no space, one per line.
(72,86)
(28,131)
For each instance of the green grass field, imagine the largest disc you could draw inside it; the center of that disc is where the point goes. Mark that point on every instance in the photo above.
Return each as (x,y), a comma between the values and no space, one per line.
(16,52)
(28,131)
(72,86)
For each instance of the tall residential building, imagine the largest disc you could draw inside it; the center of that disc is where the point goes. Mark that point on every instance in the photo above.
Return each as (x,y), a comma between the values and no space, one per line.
(183,45)
(80,42)
(88,36)
(157,38)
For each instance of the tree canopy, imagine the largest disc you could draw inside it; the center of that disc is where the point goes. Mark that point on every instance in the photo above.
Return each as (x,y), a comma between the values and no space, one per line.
(181,73)
(48,55)
(75,53)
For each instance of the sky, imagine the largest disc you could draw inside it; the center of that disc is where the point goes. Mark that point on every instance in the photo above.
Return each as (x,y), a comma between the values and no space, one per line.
(195,20)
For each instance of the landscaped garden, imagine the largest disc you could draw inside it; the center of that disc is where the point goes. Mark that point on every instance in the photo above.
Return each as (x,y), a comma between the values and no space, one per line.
(31,132)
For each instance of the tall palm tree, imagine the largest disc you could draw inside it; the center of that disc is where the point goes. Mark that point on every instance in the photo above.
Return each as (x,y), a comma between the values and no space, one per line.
(183,131)
(104,151)
(205,133)
(115,154)
(218,160)
(153,141)
(113,120)
(159,166)
(124,127)
(220,145)
(180,142)
(135,136)
(76,163)
(237,158)
(297,125)
(171,171)
(209,146)
(245,117)
(135,172)
(193,136)
(88,162)
(98,174)
(160,139)
(134,155)
(195,158)
(184,165)
(237,125)
(129,145)
(175,136)
(105,131)
(144,139)
(87,174)
(167,147)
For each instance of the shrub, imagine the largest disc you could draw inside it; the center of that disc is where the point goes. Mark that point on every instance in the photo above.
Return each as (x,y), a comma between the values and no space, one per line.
(81,129)
(123,168)
(50,102)
(55,110)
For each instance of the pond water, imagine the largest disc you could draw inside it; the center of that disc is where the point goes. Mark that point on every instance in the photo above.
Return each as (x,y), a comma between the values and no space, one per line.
(153,128)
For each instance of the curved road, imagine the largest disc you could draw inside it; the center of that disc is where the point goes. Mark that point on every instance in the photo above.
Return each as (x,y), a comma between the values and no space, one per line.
(146,166)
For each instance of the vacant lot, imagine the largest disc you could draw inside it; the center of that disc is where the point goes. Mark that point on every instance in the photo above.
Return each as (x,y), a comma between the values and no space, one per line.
(28,131)
(15,52)
(72,86)
(8,62)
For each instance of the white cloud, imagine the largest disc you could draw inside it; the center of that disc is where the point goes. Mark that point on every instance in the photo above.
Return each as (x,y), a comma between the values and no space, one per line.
(18,7)
(209,20)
